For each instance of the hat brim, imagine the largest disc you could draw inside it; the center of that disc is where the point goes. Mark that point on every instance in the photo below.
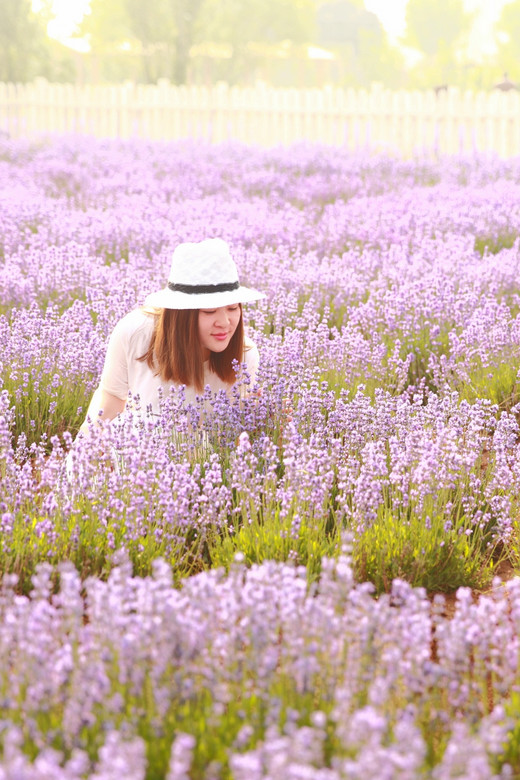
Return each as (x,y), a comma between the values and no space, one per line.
(169,299)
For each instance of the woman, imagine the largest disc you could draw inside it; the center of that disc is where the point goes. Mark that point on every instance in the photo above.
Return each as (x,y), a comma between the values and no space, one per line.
(188,333)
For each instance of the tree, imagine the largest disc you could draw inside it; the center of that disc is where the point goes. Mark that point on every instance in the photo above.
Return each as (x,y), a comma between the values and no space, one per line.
(245,24)
(509,27)
(161,30)
(358,38)
(433,25)
(339,22)
(107,28)
(106,23)
(23,39)
(185,14)
(509,23)
(240,22)
(164,31)
(152,25)
(119,31)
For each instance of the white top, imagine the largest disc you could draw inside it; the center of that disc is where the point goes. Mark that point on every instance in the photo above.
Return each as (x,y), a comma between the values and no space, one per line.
(123,373)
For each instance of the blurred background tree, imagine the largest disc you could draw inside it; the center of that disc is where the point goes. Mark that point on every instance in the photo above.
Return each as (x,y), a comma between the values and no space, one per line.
(437,29)
(360,41)
(508,28)
(248,31)
(129,39)
(163,33)
(432,23)
(25,49)
(281,42)
(151,25)
(185,18)
(21,37)
(113,46)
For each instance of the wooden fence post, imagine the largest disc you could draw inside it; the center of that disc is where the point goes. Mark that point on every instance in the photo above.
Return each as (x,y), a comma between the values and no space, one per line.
(447,122)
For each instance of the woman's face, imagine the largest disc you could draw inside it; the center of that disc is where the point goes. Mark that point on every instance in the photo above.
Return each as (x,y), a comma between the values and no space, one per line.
(217,326)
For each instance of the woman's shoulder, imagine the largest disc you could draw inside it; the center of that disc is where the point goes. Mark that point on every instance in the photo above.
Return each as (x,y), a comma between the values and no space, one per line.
(136,320)
(251,354)
(248,343)
(134,327)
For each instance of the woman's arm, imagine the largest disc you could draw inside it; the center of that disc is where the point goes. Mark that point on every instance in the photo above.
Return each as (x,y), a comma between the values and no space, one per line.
(109,400)
(103,406)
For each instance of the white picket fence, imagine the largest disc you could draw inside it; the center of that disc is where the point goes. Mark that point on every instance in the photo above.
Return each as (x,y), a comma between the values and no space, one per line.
(408,122)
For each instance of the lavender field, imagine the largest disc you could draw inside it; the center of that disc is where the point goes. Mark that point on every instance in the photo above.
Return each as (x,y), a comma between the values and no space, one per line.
(254,589)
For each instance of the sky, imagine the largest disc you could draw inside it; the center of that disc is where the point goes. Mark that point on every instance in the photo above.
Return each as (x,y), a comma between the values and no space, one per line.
(390,12)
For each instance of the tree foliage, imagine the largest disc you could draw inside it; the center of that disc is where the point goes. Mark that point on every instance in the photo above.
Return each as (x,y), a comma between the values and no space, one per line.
(23,51)
(359,41)
(239,22)
(341,22)
(165,30)
(247,27)
(185,16)
(132,39)
(249,36)
(509,24)
(160,31)
(107,23)
(435,25)
(114,27)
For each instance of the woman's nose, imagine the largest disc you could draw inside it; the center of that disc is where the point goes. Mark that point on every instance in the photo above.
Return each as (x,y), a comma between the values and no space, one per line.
(221,317)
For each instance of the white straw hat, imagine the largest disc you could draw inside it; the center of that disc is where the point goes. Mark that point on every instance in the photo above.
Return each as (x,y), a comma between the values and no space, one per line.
(203,275)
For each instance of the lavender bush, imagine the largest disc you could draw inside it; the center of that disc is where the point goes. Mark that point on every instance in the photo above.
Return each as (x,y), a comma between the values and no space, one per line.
(391,334)
(254,675)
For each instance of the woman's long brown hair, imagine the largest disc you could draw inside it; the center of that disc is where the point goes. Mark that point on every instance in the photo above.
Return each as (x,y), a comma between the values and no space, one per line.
(175,352)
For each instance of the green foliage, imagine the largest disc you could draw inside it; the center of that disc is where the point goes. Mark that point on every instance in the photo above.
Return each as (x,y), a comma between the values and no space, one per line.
(272,700)
(439,544)
(510,753)
(22,41)
(378,60)
(499,382)
(84,536)
(343,22)
(213,728)
(421,551)
(303,541)
(443,540)
(115,25)
(494,244)
(165,30)
(252,30)
(186,20)
(238,22)
(360,43)
(435,24)
(509,24)
(106,24)
(48,402)
(161,30)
